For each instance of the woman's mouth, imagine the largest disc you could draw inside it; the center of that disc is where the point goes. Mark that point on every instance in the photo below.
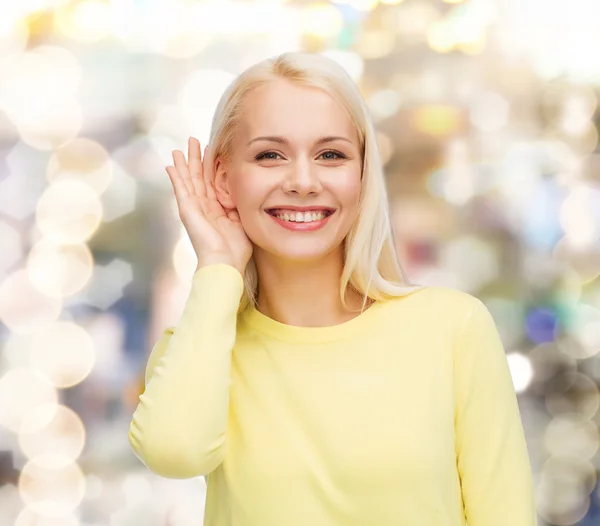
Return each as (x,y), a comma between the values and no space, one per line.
(301,221)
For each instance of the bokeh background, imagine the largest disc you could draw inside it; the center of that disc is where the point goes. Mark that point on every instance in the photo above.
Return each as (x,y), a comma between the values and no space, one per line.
(487,118)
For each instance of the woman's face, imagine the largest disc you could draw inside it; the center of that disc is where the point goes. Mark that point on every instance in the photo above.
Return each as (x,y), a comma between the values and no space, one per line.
(294,174)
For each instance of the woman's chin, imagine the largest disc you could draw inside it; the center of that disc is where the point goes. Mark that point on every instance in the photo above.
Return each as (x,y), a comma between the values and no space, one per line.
(299,254)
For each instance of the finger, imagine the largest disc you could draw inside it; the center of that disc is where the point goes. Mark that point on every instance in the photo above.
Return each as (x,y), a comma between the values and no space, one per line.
(233,215)
(195,166)
(178,186)
(209,172)
(182,168)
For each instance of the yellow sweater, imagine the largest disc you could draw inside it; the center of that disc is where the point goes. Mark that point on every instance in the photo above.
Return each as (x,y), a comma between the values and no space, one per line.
(405,415)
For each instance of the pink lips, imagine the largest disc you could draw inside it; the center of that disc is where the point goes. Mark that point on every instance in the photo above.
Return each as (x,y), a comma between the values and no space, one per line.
(302,227)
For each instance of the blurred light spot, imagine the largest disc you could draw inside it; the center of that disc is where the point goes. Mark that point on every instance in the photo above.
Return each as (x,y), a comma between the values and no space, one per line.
(562,496)
(179,30)
(14,11)
(63,352)
(570,437)
(17,198)
(573,394)
(59,270)
(50,127)
(87,21)
(69,211)
(83,160)
(414,19)
(573,55)
(169,122)
(322,20)
(391,2)
(29,517)
(55,430)
(577,110)
(49,119)
(384,103)
(540,225)
(548,361)
(23,308)
(198,111)
(474,47)
(440,37)
(23,186)
(582,328)
(437,119)
(351,62)
(106,287)
(16,349)
(108,332)
(568,286)
(489,112)
(12,247)
(136,488)
(456,180)
(94,486)
(140,159)
(375,43)
(521,371)
(519,174)
(541,324)
(13,38)
(560,158)
(472,260)
(580,215)
(584,260)
(50,486)
(21,392)
(119,198)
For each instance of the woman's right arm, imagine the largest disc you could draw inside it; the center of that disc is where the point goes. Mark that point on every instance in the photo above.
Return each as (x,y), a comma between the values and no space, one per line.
(179,426)
(178,429)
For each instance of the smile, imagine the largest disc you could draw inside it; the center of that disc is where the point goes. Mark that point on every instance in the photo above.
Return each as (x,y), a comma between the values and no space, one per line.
(301,221)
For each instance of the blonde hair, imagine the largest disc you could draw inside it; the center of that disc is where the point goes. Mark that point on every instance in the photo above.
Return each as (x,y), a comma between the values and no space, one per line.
(371,264)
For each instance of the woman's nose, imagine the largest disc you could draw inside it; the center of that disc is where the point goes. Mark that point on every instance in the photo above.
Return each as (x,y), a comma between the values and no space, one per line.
(302,179)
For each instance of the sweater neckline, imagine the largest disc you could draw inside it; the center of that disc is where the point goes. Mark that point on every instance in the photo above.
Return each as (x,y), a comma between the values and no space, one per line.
(296,334)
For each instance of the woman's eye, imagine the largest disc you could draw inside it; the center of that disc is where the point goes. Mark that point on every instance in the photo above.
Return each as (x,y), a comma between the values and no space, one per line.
(264,156)
(337,155)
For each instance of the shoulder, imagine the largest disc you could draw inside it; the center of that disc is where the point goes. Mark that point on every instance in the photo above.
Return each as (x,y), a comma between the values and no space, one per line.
(439,301)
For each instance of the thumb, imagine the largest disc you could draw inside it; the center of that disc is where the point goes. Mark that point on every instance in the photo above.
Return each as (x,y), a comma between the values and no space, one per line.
(233,215)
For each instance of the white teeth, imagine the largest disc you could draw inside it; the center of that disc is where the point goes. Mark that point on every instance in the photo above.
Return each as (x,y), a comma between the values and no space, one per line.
(300,217)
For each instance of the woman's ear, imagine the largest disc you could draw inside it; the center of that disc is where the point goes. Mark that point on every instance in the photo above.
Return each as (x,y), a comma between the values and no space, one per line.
(222,185)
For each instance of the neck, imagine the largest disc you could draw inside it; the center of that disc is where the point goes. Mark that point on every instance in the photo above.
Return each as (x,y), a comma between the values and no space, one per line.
(304,294)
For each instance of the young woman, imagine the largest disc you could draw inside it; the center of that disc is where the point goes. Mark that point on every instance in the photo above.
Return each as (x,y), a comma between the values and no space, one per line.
(307,380)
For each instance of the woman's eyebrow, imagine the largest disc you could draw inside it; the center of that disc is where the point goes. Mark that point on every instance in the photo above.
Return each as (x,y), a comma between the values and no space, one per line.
(283,140)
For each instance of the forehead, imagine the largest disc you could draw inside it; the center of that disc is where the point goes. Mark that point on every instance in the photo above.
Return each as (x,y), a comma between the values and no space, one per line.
(281,107)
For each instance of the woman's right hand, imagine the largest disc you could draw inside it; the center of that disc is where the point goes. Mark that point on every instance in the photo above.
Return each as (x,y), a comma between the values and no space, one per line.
(216,233)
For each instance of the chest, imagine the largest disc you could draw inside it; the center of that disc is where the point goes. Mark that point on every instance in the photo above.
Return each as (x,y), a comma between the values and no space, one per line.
(348,417)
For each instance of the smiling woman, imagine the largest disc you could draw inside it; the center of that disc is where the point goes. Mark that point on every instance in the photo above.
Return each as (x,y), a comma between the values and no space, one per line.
(307,379)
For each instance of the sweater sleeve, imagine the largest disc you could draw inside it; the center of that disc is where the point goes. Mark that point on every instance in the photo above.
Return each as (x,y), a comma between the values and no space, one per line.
(491,451)
(179,425)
